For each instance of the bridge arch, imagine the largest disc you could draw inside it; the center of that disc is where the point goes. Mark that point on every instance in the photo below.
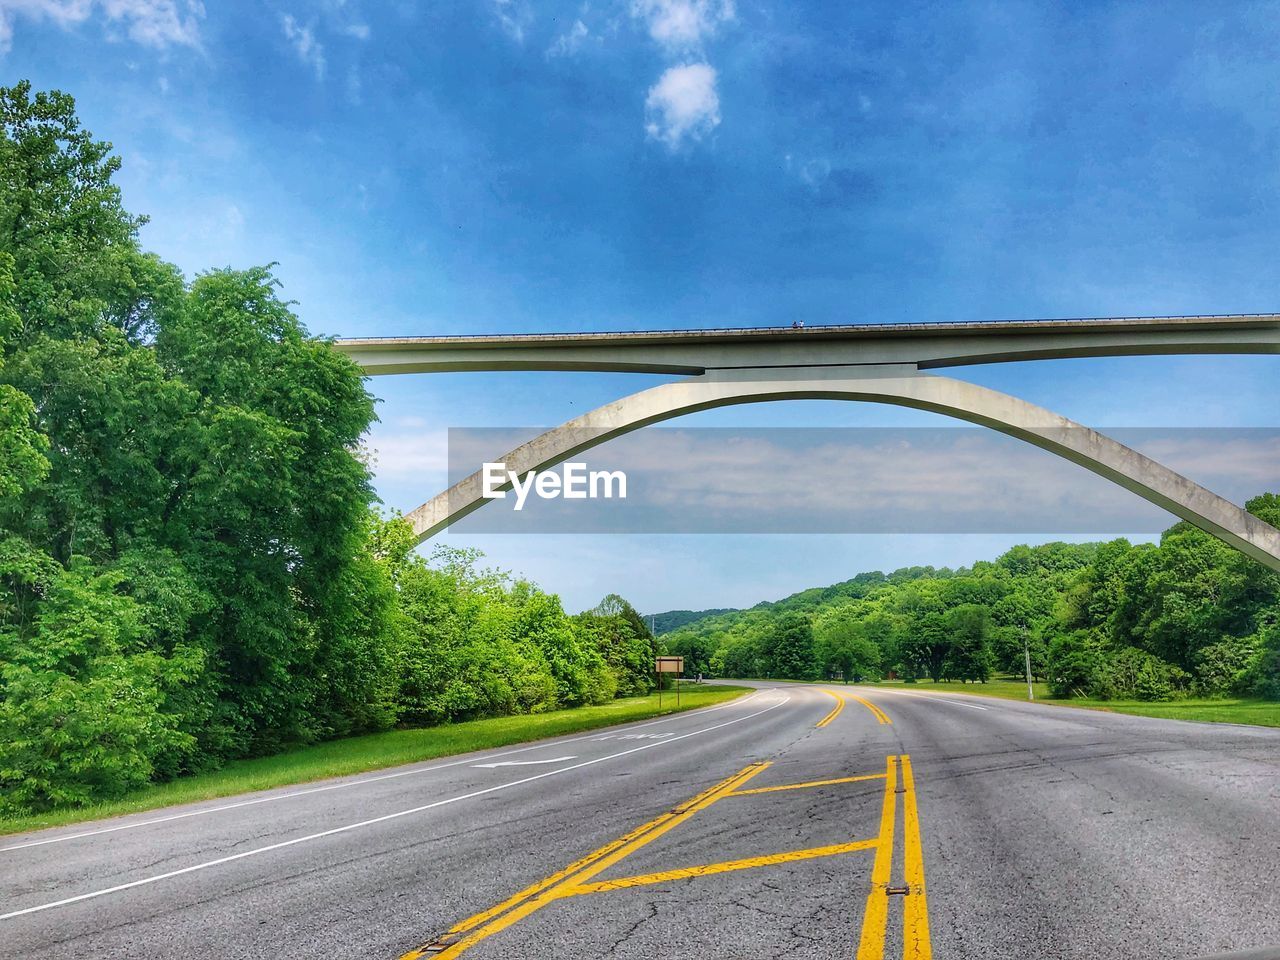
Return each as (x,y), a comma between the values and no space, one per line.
(901,385)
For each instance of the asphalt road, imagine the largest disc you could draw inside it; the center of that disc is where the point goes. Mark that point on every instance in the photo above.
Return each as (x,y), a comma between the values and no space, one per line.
(961,827)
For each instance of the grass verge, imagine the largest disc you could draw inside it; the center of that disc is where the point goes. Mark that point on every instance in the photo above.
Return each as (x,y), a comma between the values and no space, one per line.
(1263,713)
(376,751)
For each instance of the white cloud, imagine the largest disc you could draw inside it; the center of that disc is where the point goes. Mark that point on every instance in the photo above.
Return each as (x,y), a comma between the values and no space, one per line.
(417,454)
(680,26)
(514,16)
(359,31)
(153,23)
(304,42)
(683,104)
(568,42)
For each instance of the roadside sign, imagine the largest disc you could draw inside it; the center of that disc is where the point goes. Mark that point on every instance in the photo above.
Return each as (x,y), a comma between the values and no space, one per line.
(669,665)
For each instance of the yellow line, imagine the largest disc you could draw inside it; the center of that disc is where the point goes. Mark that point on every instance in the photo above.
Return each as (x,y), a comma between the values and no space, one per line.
(709,869)
(559,884)
(604,864)
(802,786)
(879,714)
(915,918)
(559,875)
(590,858)
(835,711)
(876,916)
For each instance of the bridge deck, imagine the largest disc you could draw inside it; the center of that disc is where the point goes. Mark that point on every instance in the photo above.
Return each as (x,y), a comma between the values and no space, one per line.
(925,345)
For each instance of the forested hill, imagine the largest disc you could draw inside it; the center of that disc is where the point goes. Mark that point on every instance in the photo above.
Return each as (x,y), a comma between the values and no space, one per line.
(672,620)
(661,623)
(1107,620)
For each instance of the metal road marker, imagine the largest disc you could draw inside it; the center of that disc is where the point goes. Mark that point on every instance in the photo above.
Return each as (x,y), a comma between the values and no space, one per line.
(577,879)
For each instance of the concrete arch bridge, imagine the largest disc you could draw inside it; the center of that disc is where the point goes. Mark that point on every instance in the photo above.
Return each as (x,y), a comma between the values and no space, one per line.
(880,363)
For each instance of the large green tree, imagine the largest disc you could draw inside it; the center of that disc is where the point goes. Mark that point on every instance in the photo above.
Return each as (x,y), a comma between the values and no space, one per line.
(179,457)
(789,648)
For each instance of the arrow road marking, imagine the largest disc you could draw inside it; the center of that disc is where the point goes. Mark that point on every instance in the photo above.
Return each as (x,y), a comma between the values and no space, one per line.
(520,763)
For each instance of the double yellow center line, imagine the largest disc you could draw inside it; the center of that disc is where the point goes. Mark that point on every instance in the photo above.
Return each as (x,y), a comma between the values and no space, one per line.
(916,944)
(579,878)
(880,715)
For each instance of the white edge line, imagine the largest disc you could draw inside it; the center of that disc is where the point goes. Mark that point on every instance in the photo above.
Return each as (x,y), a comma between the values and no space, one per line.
(552,742)
(366,823)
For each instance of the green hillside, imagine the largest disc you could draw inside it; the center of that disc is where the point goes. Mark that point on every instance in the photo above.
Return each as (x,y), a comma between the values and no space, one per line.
(1189,617)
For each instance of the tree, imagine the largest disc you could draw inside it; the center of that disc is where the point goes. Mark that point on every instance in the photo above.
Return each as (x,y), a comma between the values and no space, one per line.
(22,446)
(1262,678)
(969,654)
(789,648)
(925,639)
(622,637)
(189,449)
(696,650)
(848,639)
(1074,661)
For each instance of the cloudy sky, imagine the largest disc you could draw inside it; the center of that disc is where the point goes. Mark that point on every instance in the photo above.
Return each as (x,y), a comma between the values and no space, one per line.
(507,165)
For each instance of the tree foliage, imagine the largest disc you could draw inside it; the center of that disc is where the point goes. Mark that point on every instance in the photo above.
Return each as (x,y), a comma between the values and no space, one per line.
(190,566)
(1105,620)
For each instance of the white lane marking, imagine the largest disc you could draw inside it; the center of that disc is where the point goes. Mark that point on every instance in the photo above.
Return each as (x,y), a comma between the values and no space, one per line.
(701,711)
(520,763)
(382,819)
(933,696)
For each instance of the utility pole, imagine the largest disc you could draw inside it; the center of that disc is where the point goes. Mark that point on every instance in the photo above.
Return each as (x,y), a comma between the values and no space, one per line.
(1026,653)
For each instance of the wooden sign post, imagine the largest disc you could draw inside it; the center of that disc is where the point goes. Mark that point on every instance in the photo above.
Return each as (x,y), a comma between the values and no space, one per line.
(668,665)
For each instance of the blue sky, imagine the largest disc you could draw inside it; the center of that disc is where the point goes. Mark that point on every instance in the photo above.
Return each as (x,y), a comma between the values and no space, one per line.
(503,165)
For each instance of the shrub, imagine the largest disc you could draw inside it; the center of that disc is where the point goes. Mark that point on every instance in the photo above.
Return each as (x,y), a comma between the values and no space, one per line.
(1223,667)
(1263,676)
(81,711)
(1074,661)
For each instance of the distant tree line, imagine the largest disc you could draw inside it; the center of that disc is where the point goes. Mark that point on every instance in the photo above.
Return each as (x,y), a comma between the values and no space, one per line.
(190,566)
(1187,616)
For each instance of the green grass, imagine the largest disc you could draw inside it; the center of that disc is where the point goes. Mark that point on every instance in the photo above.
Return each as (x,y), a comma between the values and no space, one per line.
(378,750)
(1263,713)
(1003,688)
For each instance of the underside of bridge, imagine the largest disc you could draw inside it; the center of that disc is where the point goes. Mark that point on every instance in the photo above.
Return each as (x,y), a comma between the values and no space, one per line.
(874,363)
